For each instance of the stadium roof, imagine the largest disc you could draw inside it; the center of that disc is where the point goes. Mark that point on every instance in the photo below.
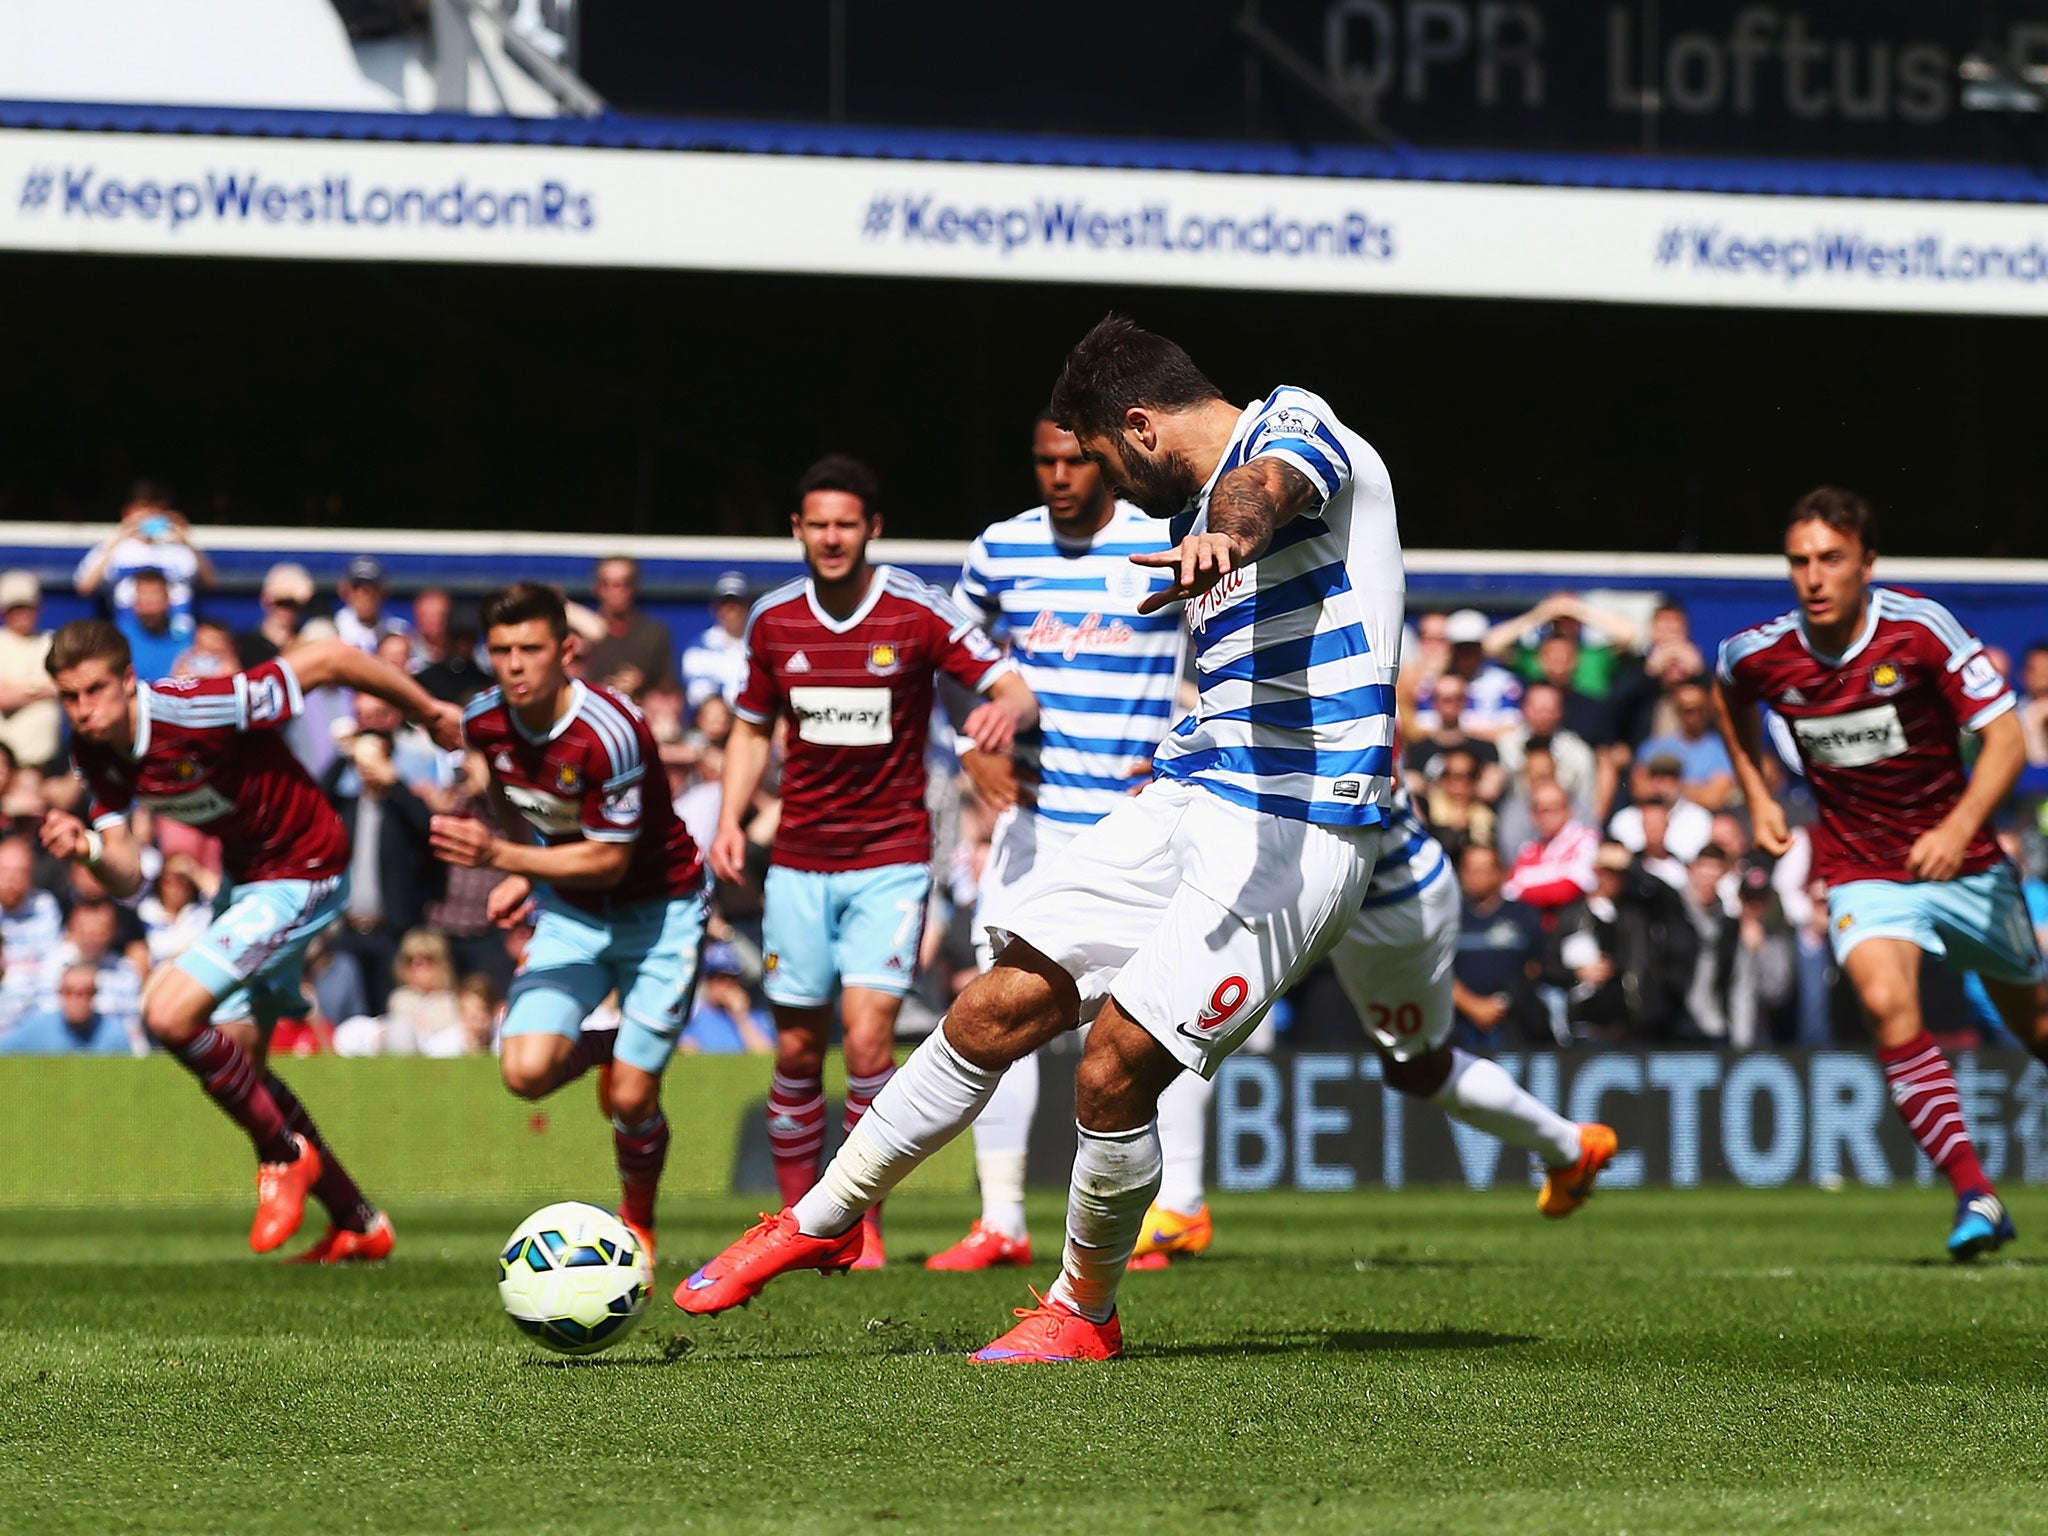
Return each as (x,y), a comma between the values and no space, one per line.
(1914,181)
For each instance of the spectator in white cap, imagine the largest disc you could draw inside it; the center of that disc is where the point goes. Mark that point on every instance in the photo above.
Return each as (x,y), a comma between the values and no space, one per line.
(1493,696)
(287,594)
(28,699)
(634,649)
(361,619)
(717,663)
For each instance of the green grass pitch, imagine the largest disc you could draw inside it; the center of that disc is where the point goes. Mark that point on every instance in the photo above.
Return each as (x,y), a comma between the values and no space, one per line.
(1426,1361)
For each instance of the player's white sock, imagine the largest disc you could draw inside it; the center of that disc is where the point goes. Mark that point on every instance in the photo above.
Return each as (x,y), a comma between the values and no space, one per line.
(1183,1141)
(933,1097)
(1480,1093)
(1116,1174)
(1000,1138)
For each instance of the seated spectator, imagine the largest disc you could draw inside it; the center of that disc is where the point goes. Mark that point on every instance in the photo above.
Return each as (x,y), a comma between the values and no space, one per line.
(457,675)
(1445,734)
(362,619)
(1588,718)
(422,767)
(157,634)
(1704,770)
(1555,867)
(726,1021)
(90,940)
(713,720)
(1595,641)
(335,979)
(31,922)
(1452,807)
(462,915)
(716,665)
(1500,950)
(481,1007)
(287,593)
(634,648)
(2033,714)
(29,724)
(423,1016)
(431,611)
(1491,691)
(1573,761)
(1516,826)
(1689,824)
(212,652)
(1653,828)
(1624,954)
(178,911)
(74,1026)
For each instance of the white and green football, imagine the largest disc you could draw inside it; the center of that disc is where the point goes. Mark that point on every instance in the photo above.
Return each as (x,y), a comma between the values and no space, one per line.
(575,1278)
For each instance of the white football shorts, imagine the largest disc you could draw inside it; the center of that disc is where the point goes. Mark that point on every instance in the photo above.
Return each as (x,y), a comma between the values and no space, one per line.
(1394,964)
(1195,912)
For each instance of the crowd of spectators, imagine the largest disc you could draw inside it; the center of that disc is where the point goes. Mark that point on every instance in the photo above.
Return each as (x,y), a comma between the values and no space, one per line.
(1565,757)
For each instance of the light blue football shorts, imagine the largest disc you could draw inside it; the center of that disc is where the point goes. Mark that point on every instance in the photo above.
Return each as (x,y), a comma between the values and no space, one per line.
(647,953)
(861,926)
(253,954)
(1978,922)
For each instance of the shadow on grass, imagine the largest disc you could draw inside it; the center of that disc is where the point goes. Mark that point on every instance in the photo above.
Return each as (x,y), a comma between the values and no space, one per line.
(1352,1341)
(1962,1267)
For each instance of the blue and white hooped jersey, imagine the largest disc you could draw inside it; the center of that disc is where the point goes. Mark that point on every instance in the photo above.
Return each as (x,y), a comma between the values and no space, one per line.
(1297,653)
(1105,674)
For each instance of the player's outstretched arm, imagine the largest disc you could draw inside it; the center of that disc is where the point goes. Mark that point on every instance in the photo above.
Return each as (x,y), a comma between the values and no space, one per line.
(318,663)
(587,864)
(1246,507)
(110,854)
(746,764)
(1743,734)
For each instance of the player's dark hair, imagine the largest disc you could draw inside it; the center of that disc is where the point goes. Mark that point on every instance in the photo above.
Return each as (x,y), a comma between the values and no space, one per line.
(1844,511)
(524,601)
(843,472)
(1118,367)
(86,640)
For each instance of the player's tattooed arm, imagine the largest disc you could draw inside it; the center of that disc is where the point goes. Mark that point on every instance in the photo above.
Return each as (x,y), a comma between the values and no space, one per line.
(1245,509)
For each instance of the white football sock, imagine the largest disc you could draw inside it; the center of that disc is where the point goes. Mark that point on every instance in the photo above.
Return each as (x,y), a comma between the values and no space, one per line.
(1116,1174)
(1184,1141)
(1480,1093)
(1001,1136)
(933,1097)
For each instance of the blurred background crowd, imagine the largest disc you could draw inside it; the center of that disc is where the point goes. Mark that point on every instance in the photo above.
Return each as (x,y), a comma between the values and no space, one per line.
(1565,756)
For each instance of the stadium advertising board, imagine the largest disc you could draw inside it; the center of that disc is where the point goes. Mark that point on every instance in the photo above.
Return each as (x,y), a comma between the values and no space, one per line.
(1322,1121)
(352,200)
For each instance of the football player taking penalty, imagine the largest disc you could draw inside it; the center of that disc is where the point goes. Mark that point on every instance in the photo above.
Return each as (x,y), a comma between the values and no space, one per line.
(1189,908)
(1878,684)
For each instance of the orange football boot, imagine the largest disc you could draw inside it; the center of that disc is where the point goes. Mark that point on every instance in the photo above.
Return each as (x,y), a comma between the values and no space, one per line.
(983,1248)
(338,1245)
(872,1255)
(1053,1334)
(1566,1189)
(773,1247)
(1168,1235)
(281,1190)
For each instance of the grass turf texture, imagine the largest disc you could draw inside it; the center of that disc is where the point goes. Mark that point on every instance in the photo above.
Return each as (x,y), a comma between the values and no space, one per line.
(1423,1361)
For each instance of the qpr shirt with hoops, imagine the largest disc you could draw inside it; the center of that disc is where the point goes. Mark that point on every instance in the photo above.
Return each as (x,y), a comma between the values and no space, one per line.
(1105,674)
(858,693)
(1877,727)
(209,753)
(1296,654)
(587,777)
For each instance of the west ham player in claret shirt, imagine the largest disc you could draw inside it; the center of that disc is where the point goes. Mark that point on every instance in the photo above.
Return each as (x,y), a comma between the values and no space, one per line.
(849,656)
(206,752)
(1878,684)
(593,842)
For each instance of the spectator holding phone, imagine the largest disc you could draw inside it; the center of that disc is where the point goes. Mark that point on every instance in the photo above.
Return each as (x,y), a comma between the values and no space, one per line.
(152,536)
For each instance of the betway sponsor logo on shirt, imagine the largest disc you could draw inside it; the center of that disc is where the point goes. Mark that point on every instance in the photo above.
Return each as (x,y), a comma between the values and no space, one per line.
(1050,632)
(1854,740)
(841,717)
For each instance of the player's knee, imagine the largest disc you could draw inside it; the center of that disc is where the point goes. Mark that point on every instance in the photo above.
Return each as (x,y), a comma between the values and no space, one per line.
(635,1099)
(168,1023)
(798,1056)
(1008,1013)
(528,1080)
(1121,1076)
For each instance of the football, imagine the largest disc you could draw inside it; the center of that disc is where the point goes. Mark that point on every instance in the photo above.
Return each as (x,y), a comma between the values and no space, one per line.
(574,1278)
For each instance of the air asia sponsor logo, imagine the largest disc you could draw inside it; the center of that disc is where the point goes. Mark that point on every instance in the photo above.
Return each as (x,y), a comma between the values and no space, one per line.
(1050,632)
(83,193)
(1853,740)
(841,717)
(1219,597)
